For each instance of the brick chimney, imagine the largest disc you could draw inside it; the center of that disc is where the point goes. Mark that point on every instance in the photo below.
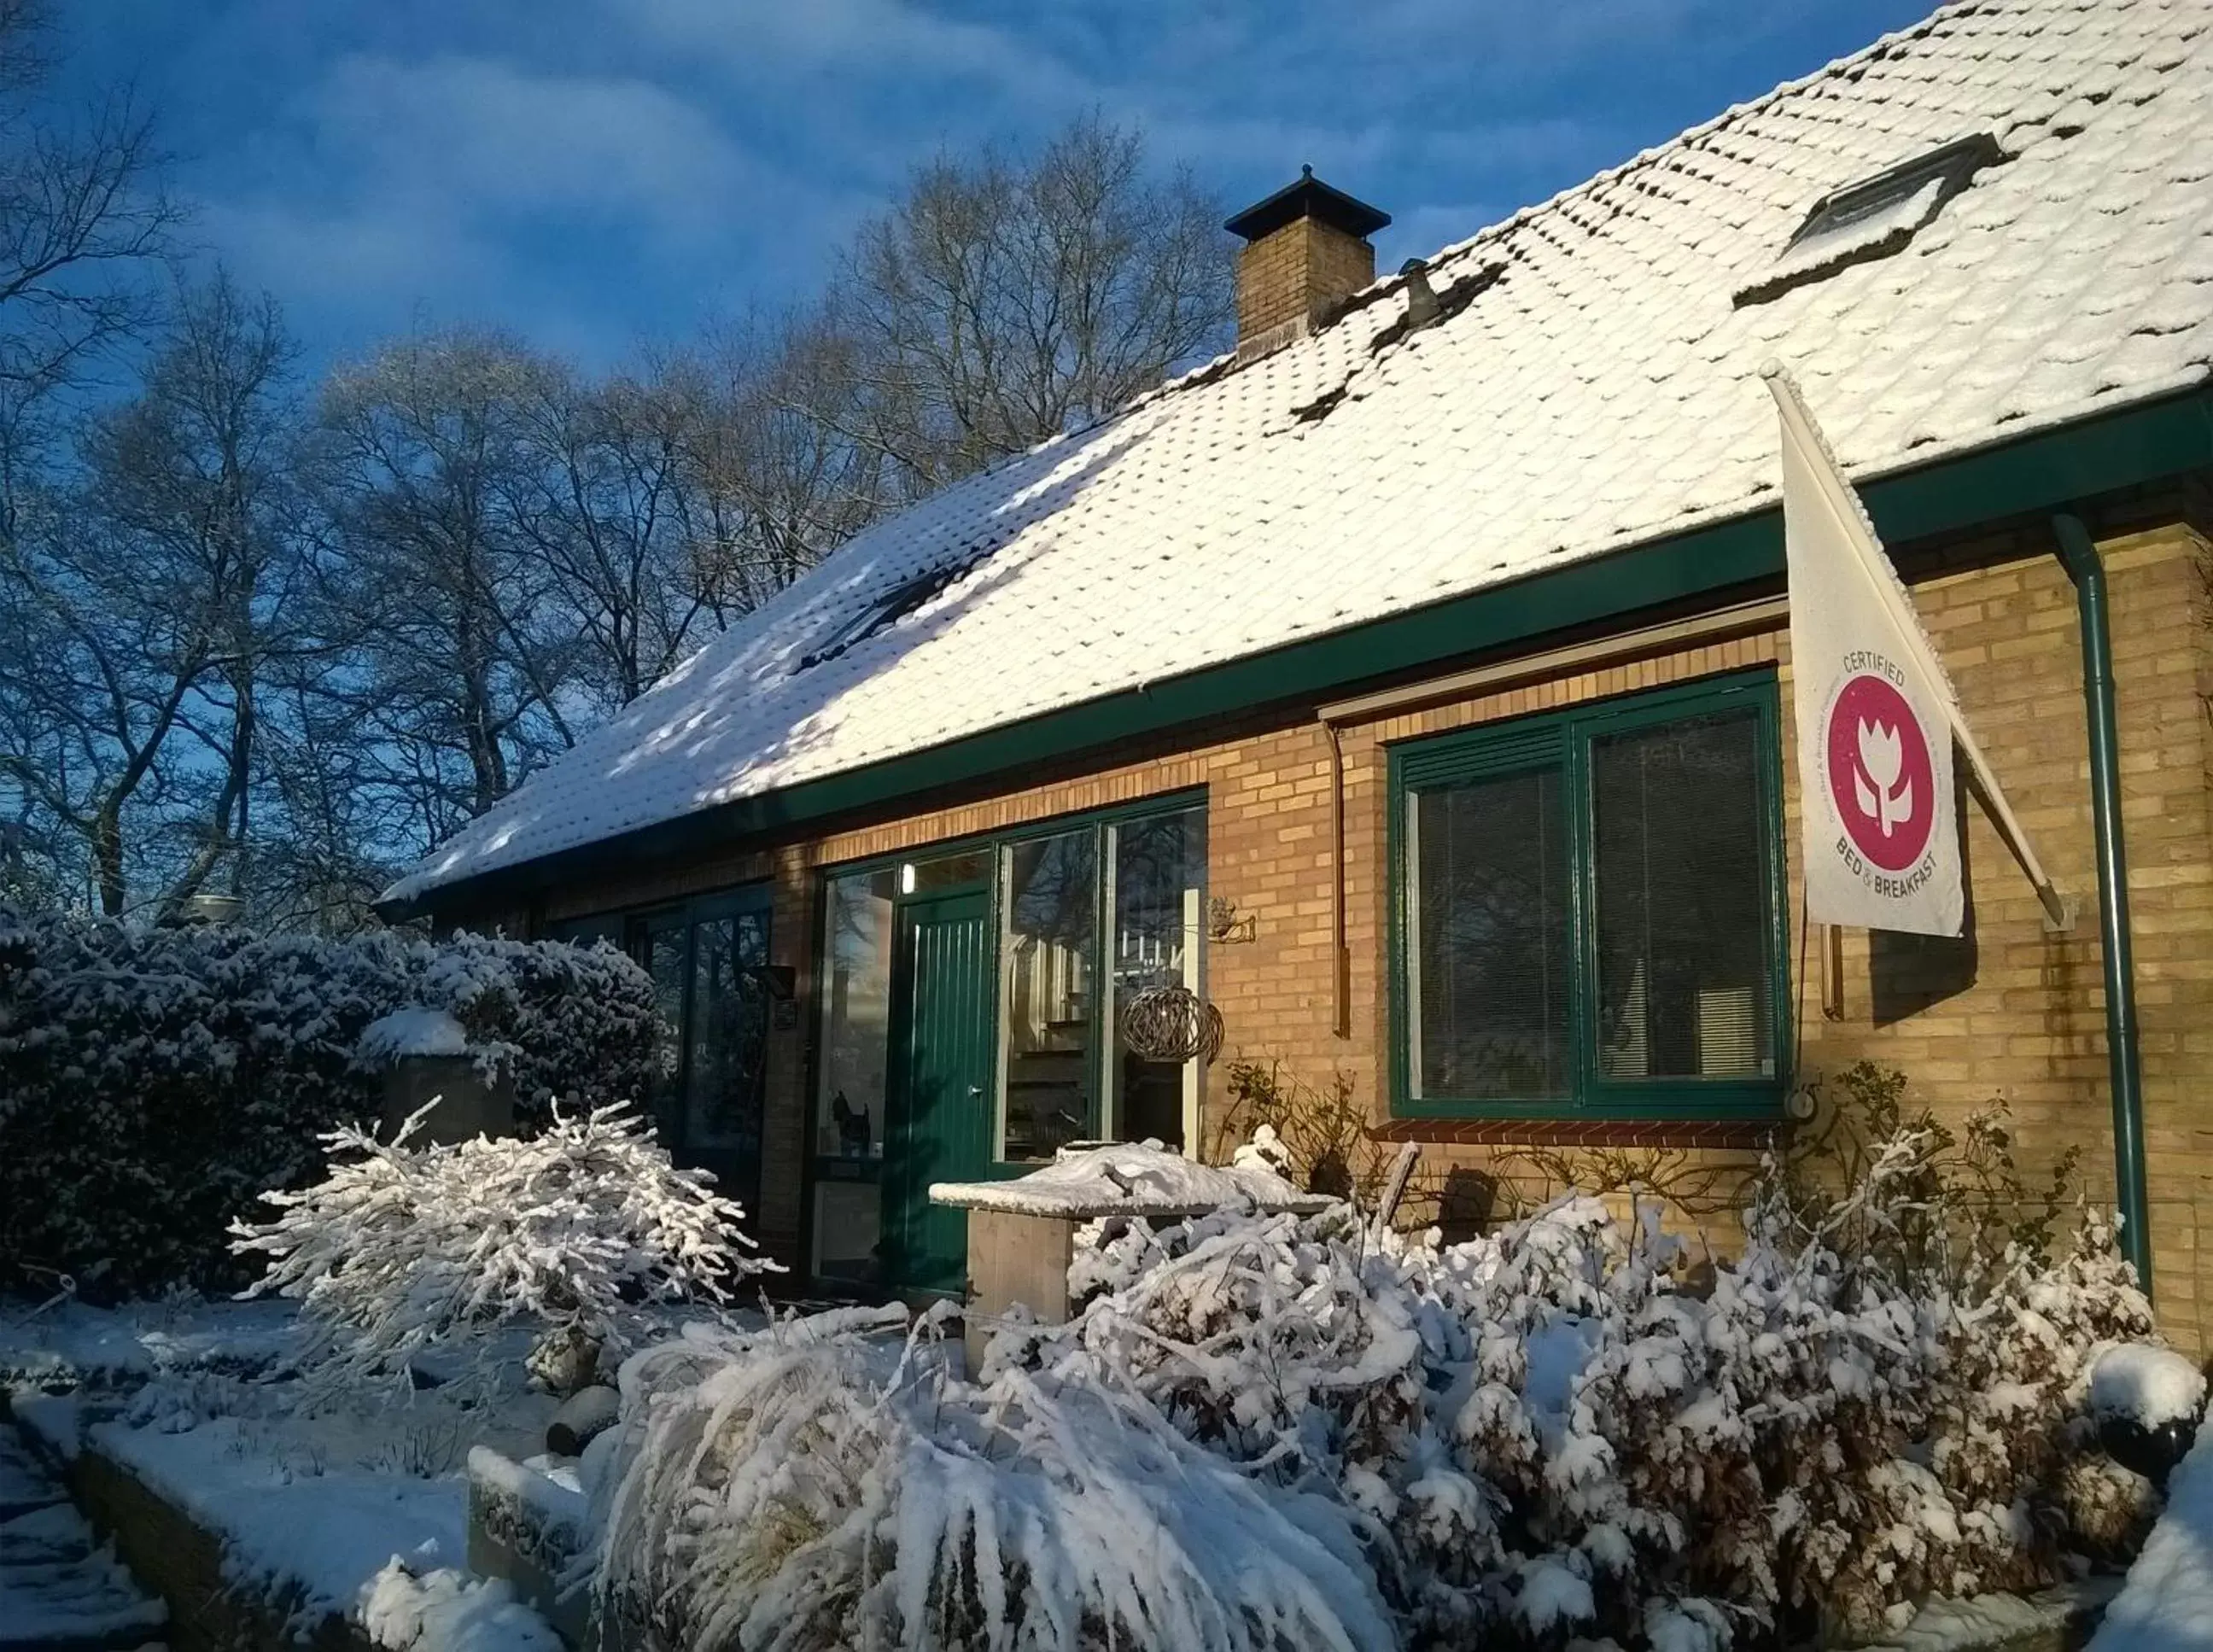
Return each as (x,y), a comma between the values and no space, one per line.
(1306,252)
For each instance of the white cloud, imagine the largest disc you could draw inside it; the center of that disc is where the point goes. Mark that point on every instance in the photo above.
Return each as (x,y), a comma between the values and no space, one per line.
(460,186)
(865,38)
(492,138)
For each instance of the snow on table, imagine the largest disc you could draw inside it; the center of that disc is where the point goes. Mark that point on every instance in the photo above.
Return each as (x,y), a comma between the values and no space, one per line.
(1129,1178)
(414,1031)
(2166,1604)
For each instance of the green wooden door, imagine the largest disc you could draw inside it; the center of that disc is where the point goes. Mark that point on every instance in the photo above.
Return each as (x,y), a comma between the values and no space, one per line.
(940,1106)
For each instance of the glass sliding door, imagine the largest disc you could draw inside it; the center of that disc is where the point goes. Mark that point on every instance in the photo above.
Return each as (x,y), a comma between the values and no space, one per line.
(727,1060)
(662,943)
(1156,896)
(1048,1077)
(868,1222)
(970,1005)
(859,931)
(708,962)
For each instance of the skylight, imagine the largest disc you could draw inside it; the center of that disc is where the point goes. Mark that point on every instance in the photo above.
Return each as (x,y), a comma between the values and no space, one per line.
(888,609)
(1873,217)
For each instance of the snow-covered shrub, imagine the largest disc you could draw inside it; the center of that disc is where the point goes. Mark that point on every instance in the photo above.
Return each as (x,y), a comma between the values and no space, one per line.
(575,1023)
(403,1249)
(1547,1432)
(1572,1429)
(153,1081)
(815,1487)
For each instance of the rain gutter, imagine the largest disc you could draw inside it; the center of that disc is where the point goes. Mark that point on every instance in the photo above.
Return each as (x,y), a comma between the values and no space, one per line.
(2078,553)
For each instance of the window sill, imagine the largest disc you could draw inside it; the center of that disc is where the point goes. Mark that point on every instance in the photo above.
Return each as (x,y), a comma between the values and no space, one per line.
(1744,1134)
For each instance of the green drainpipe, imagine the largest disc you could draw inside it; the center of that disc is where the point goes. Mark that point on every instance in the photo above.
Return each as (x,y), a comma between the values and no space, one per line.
(2080,554)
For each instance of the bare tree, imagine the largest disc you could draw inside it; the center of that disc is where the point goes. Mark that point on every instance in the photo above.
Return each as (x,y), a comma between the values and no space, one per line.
(777,483)
(82,220)
(96,664)
(459,653)
(666,502)
(195,474)
(999,303)
(600,495)
(142,607)
(83,216)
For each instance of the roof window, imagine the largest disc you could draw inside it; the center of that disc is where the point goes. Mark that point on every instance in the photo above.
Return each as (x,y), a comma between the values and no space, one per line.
(1873,216)
(885,610)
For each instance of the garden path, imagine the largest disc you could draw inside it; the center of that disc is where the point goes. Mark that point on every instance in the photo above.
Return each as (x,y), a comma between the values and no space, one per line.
(61,1590)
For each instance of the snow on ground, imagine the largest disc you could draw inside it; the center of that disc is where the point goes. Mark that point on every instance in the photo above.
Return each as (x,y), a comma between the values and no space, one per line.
(197,1400)
(58,1584)
(2153,1387)
(289,1508)
(445,1611)
(67,1343)
(2166,1604)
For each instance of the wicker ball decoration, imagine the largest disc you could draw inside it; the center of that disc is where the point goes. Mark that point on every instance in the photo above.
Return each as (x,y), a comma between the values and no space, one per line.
(1171,1023)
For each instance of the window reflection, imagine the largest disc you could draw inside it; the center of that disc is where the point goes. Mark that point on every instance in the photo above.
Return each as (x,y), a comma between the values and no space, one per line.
(729,1035)
(1049,939)
(1155,898)
(668,959)
(858,928)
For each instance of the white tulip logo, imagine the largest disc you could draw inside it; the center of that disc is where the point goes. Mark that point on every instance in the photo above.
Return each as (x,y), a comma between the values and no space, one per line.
(1880,759)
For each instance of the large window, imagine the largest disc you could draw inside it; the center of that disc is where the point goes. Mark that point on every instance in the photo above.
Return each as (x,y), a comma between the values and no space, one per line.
(1590,912)
(1086,915)
(1049,950)
(1090,918)
(709,960)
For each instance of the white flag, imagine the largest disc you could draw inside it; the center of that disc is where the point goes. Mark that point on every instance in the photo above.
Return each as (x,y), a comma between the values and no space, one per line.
(1876,713)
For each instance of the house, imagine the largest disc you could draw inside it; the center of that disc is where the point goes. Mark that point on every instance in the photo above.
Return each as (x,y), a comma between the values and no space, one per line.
(1411,685)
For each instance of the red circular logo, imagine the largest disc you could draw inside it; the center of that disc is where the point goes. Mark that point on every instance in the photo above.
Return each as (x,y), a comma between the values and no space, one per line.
(1880,774)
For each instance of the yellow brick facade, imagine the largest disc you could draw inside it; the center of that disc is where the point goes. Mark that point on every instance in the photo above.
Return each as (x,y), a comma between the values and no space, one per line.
(1298,274)
(2022,1019)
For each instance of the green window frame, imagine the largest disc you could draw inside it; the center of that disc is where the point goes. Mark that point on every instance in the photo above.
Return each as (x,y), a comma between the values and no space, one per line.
(668,936)
(1558,747)
(986,859)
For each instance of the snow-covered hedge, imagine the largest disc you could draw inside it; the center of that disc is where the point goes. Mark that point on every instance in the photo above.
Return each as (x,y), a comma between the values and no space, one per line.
(153,1082)
(1262,1431)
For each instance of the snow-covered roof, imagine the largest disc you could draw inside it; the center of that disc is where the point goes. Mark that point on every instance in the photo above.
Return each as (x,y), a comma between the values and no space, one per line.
(1599,392)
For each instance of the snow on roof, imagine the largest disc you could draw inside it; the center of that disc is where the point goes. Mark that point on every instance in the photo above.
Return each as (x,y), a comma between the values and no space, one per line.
(1600,392)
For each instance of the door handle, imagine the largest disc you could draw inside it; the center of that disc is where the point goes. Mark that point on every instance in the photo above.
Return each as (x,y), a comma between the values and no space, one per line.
(976,1092)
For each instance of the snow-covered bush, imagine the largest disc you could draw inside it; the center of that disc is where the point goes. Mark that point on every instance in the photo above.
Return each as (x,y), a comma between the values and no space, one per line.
(404,1249)
(815,1487)
(1549,1432)
(153,1081)
(1560,1431)
(446,1610)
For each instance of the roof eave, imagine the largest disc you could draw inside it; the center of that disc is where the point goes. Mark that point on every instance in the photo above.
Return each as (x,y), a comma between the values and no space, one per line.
(2098,454)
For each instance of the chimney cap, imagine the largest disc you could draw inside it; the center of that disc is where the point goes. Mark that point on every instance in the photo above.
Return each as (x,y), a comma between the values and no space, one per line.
(1309,197)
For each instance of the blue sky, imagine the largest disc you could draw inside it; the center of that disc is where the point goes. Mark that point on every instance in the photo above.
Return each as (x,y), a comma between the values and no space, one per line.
(596,175)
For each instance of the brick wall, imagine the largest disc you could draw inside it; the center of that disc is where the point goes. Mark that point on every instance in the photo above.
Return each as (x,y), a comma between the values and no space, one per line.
(2021,1018)
(1297,274)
